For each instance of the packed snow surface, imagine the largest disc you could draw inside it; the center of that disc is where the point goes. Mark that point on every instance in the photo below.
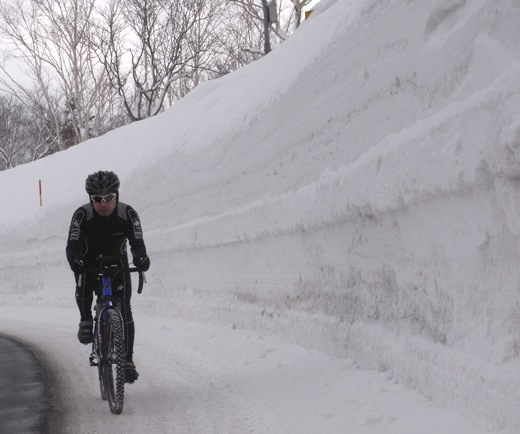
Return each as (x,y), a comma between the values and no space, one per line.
(334,233)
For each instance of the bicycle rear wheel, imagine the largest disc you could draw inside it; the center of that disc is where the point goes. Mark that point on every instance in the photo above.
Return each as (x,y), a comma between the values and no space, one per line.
(113,364)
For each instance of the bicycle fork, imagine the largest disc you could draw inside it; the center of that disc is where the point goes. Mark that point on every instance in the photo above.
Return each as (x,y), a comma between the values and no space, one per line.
(94,355)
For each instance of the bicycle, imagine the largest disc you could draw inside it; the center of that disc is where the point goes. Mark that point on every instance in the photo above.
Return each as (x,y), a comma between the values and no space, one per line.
(108,344)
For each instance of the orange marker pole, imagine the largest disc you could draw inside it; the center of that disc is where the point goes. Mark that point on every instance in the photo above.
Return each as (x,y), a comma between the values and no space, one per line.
(40,185)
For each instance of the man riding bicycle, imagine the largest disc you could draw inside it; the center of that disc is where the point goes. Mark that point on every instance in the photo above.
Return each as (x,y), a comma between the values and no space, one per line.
(102,227)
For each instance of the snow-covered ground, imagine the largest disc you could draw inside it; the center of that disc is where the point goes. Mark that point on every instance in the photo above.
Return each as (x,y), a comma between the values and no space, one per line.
(334,233)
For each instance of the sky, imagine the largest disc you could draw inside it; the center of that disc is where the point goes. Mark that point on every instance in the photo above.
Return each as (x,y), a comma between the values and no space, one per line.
(333,231)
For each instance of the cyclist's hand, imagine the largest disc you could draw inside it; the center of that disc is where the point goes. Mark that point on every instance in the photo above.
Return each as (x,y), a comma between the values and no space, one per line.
(78,266)
(142,263)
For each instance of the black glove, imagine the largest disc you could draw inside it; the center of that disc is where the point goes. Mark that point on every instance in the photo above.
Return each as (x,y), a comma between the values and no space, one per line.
(78,266)
(142,263)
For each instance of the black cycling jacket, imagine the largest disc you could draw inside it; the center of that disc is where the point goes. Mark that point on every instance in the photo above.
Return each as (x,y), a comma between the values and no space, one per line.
(91,234)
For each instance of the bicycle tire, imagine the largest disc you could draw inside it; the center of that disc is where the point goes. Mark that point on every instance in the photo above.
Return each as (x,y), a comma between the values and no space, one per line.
(114,356)
(98,345)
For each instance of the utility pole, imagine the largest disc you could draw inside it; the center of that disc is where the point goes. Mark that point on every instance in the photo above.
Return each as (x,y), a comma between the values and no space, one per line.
(267,40)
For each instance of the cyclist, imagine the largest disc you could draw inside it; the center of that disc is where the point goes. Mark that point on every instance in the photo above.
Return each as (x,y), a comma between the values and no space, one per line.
(102,227)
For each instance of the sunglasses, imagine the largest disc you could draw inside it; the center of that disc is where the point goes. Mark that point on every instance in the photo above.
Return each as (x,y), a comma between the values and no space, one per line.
(106,198)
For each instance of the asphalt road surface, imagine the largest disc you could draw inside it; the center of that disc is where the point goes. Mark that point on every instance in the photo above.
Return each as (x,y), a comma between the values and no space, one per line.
(26,391)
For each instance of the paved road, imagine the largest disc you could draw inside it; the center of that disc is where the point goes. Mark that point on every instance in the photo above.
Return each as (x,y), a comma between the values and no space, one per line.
(26,391)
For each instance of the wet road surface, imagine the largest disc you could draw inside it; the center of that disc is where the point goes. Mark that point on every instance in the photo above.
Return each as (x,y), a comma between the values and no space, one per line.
(26,395)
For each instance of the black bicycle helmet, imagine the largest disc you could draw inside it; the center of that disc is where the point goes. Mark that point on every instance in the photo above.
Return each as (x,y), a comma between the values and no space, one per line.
(102,182)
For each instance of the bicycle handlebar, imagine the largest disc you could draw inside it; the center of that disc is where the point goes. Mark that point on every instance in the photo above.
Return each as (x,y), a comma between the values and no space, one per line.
(113,270)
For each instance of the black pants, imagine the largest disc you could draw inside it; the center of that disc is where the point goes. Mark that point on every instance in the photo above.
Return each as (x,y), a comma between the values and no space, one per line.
(122,289)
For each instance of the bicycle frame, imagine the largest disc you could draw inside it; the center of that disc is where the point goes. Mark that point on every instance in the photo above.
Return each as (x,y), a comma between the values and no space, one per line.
(104,303)
(108,344)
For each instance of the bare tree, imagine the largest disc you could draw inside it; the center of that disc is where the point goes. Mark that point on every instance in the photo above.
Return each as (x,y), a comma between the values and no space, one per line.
(21,137)
(145,46)
(239,41)
(11,132)
(204,45)
(38,143)
(52,39)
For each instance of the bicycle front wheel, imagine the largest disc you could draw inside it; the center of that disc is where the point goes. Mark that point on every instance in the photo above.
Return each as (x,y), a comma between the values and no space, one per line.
(114,356)
(97,349)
